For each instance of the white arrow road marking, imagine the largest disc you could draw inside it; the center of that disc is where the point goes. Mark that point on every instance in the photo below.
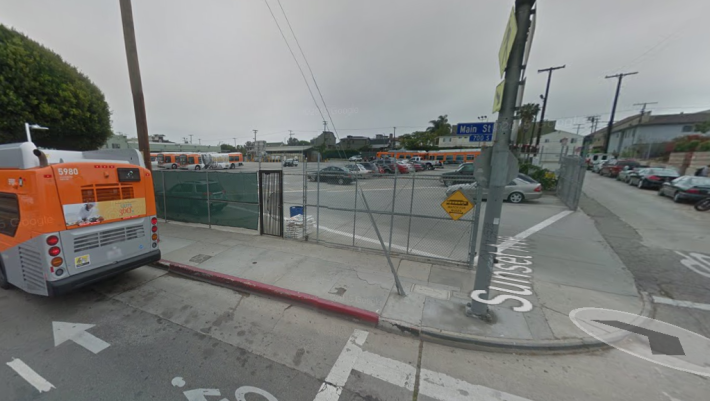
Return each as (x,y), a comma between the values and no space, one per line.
(30,375)
(432,384)
(77,332)
(201,393)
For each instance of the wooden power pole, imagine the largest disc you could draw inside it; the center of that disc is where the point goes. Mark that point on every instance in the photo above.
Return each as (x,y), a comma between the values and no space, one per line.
(134,73)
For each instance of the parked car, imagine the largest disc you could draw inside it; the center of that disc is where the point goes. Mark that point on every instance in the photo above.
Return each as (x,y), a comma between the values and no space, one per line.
(390,164)
(359,171)
(597,158)
(612,168)
(462,175)
(417,166)
(357,158)
(518,190)
(597,165)
(652,177)
(373,168)
(686,188)
(409,167)
(291,163)
(334,174)
(386,168)
(626,172)
(428,164)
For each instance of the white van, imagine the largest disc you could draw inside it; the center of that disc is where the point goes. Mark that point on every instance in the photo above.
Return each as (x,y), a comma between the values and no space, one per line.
(596,159)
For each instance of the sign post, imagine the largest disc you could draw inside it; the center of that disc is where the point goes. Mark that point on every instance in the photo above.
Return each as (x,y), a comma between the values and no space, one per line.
(511,61)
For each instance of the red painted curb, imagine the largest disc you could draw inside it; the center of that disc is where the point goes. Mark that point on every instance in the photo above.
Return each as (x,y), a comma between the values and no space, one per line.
(271,290)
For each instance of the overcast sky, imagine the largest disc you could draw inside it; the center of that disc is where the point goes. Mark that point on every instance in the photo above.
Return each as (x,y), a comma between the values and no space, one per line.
(217,69)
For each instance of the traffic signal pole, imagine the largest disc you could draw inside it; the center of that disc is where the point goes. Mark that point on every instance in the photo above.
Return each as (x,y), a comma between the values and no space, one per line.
(499,161)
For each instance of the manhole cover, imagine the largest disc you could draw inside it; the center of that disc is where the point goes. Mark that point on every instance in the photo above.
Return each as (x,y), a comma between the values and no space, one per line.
(199,258)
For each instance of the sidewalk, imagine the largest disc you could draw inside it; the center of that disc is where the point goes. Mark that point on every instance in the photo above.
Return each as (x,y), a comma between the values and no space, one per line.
(572,267)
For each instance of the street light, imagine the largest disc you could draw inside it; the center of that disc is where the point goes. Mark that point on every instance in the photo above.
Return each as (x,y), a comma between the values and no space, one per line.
(28,127)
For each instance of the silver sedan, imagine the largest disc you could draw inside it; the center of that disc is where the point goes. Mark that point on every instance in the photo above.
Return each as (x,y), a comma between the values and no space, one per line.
(518,190)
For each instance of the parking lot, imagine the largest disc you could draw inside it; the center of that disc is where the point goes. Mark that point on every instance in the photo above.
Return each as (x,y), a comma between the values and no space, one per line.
(417,224)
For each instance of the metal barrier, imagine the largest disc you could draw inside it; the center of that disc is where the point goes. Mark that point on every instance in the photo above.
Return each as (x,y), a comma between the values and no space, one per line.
(570,179)
(208,197)
(405,207)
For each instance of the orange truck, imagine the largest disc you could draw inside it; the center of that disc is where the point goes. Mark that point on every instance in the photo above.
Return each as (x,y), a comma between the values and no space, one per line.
(69,219)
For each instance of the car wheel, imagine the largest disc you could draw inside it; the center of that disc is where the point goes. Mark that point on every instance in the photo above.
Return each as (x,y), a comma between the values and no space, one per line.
(640,185)
(677,198)
(174,167)
(431,167)
(660,192)
(197,167)
(341,181)
(447,183)
(232,166)
(4,284)
(516,197)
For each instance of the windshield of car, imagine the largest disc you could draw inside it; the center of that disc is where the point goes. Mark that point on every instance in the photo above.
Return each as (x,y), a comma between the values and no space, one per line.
(699,181)
(662,171)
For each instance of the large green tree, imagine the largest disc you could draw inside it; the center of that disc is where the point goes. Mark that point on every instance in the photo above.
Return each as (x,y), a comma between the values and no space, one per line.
(37,86)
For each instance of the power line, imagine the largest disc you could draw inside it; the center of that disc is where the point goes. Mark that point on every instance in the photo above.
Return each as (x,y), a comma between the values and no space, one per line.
(311,71)
(294,59)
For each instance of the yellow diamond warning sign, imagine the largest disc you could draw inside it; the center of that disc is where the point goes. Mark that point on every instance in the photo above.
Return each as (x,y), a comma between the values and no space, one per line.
(457,205)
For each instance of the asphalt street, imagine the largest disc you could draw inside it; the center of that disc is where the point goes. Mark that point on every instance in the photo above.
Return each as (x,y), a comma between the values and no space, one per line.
(655,239)
(171,338)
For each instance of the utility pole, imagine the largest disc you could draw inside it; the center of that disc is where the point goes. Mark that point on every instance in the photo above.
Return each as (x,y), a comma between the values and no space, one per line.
(578,127)
(190,139)
(235,142)
(643,109)
(499,163)
(613,108)
(325,127)
(255,147)
(544,99)
(134,74)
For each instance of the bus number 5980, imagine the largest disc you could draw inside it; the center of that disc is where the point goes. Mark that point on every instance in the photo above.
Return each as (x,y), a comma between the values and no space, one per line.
(68,171)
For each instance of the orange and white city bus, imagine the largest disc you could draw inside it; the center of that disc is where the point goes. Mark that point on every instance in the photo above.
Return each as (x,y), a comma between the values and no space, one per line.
(235,159)
(454,156)
(168,160)
(154,160)
(190,161)
(68,219)
(402,155)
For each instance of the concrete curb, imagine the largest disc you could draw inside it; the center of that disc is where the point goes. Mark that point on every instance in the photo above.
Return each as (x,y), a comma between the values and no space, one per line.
(468,341)
(241,284)
(459,340)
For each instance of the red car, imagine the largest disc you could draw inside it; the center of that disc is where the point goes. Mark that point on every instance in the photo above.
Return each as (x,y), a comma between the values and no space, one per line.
(417,167)
(612,168)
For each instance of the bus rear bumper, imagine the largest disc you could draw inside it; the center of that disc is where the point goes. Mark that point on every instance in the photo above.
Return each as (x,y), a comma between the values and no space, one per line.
(74,282)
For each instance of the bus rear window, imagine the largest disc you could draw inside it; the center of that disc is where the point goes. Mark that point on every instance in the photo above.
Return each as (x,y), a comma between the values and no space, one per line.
(9,214)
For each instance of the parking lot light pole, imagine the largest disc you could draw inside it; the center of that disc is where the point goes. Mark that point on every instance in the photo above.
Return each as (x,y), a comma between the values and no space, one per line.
(499,163)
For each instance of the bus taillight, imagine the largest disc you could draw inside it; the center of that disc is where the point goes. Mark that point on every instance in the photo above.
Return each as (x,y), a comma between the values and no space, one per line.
(54,251)
(154,229)
(154,221)
(56,262)
(52,240)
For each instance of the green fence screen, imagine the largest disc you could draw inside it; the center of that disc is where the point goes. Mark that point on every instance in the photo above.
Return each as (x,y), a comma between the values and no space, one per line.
(208,197)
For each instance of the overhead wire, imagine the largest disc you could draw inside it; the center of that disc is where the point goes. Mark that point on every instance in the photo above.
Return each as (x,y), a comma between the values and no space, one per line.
(325,105)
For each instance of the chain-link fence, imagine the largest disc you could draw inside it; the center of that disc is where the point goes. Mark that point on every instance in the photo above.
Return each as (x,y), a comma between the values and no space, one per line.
(570,179)
(406,208)
(208,197)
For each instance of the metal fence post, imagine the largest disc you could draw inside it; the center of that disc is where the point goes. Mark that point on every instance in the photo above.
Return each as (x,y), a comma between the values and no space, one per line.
(411,208)
(474,225)
(394,198)
(318,201)
(355,210)
(165,201)
(305,198)
(209,211)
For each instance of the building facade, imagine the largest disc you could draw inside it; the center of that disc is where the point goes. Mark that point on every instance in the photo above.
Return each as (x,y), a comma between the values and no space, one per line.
(327,138)
(120,141)
(555,145)
(354,142)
